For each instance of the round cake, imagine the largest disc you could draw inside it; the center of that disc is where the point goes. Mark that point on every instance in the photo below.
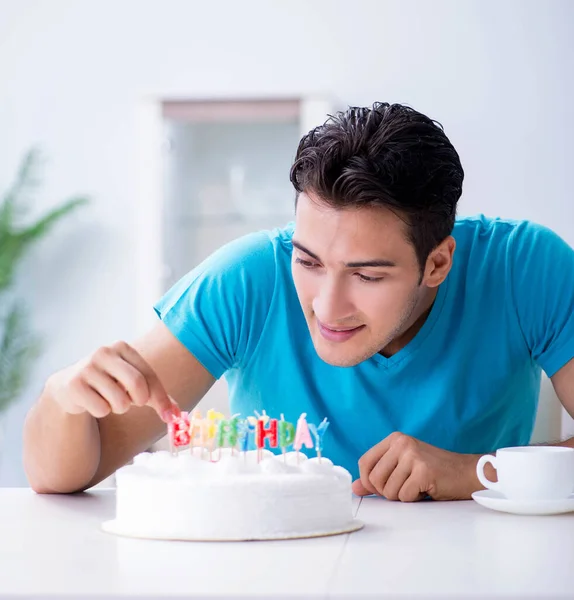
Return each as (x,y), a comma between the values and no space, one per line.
(228,495)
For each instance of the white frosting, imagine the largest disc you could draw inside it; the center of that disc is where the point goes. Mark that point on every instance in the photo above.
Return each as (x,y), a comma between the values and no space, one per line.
(236,497)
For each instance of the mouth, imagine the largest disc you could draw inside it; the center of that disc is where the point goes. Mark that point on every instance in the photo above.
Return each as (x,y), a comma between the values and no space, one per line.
(338,334)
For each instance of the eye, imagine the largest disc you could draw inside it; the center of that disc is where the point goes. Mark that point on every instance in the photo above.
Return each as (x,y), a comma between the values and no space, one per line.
(305,263)
(368,279)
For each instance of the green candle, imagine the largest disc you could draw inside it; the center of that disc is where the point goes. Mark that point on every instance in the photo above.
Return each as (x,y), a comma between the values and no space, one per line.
(227,432)
(286,432)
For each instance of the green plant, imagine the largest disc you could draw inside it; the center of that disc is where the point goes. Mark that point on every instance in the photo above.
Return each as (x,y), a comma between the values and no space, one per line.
(18,346)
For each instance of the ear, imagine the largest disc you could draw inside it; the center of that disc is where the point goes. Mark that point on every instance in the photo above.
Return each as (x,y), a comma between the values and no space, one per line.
(439,262)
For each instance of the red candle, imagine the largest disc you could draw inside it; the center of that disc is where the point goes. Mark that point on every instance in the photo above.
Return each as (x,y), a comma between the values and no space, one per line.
(264,432)
(179,430)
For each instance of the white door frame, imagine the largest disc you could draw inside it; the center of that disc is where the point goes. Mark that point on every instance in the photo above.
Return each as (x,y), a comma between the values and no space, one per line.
(148,218)
(151,146)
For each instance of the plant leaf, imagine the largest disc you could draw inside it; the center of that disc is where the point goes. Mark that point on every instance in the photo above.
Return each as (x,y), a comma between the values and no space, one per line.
(18,349)
(38,229)
(27,180)
(14,244)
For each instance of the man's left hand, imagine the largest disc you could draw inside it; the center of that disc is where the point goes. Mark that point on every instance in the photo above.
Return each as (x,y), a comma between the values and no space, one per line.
(404,468)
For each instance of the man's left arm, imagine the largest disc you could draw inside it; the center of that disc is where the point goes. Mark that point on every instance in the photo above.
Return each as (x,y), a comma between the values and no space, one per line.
(542,286)
(403,468)
(563,382)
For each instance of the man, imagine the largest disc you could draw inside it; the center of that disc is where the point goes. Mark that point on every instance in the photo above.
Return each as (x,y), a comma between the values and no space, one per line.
(421,339)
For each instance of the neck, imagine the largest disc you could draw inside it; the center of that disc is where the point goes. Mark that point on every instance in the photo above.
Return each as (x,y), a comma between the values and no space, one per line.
(418,318)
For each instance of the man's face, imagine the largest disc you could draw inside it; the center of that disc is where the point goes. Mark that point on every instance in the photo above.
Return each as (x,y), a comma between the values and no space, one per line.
(357,278)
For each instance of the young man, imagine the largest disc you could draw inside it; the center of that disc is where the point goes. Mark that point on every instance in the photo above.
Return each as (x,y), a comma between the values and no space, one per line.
(421,339)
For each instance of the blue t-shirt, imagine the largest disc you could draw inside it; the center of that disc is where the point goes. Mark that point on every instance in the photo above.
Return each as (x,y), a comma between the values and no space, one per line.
(468,381)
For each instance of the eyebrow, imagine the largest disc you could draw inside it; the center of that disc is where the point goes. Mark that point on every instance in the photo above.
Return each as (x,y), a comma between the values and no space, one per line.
(352,265)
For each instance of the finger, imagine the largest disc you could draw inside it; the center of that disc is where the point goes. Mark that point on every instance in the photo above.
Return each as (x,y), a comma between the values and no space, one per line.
(368,461)
(411,490)
(109,389)
(174,411)
(158,398)
(383,469)
(396,480)
(359,489)
(131,379)
(92,402)
(138,378)
(364,478)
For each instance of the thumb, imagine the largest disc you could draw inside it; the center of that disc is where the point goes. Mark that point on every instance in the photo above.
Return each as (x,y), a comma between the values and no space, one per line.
(359,489)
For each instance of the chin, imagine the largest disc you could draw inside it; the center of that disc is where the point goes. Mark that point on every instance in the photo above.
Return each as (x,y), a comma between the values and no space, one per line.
(337,358)
(342,362)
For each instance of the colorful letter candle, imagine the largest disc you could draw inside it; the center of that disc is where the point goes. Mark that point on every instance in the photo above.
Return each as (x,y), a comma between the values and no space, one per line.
(248,434)
(197,430)
(178,430)
(227,432)
(286,434)
(214,431)
(213,417)
(302,435)
(266,432)
(318,433)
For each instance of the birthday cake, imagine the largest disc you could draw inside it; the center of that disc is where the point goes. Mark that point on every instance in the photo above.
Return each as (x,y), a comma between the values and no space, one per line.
(219,482)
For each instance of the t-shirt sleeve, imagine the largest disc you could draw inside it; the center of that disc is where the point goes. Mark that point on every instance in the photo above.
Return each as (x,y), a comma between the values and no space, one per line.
(542,274)
(218,310)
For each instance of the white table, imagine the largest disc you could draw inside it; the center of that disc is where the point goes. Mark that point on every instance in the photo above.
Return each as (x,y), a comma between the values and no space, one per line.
(51,546)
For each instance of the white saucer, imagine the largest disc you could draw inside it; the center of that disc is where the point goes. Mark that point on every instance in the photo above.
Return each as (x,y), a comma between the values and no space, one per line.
(496,501)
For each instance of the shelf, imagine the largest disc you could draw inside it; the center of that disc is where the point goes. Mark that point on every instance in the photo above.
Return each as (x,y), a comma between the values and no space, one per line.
(229,219)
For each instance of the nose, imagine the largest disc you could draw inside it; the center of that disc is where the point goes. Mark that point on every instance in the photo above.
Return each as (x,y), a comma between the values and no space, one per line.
(332,304)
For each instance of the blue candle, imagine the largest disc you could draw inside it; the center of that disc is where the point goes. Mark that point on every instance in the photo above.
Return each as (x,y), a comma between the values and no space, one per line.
(318,433)
(247,434)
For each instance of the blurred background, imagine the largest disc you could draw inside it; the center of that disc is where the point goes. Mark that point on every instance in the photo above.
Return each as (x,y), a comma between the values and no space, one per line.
(179,119)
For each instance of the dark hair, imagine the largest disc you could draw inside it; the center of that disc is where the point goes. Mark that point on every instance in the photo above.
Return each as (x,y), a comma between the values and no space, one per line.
(385,155)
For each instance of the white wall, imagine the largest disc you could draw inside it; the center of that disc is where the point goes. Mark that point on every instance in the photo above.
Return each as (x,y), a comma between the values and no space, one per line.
(497,74)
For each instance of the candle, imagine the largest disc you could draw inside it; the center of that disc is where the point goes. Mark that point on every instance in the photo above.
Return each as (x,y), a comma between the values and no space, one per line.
(286,434)
(178,431)
(228,432)
(302,435)
(318,433)
(197,432)
(213,417)
(254,428)
(248,432)
(262,417)
(266,432)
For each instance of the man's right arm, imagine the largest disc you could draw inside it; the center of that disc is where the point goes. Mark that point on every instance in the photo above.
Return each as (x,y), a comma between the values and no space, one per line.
(96,415)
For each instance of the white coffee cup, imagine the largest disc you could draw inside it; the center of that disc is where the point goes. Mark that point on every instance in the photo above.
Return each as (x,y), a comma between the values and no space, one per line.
(530,472)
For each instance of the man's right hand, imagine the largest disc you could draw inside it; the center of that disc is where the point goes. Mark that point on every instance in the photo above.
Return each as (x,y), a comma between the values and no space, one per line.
(78,432)
(112,380)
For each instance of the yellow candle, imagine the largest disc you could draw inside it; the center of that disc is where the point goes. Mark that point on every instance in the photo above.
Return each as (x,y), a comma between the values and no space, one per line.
(212,417)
